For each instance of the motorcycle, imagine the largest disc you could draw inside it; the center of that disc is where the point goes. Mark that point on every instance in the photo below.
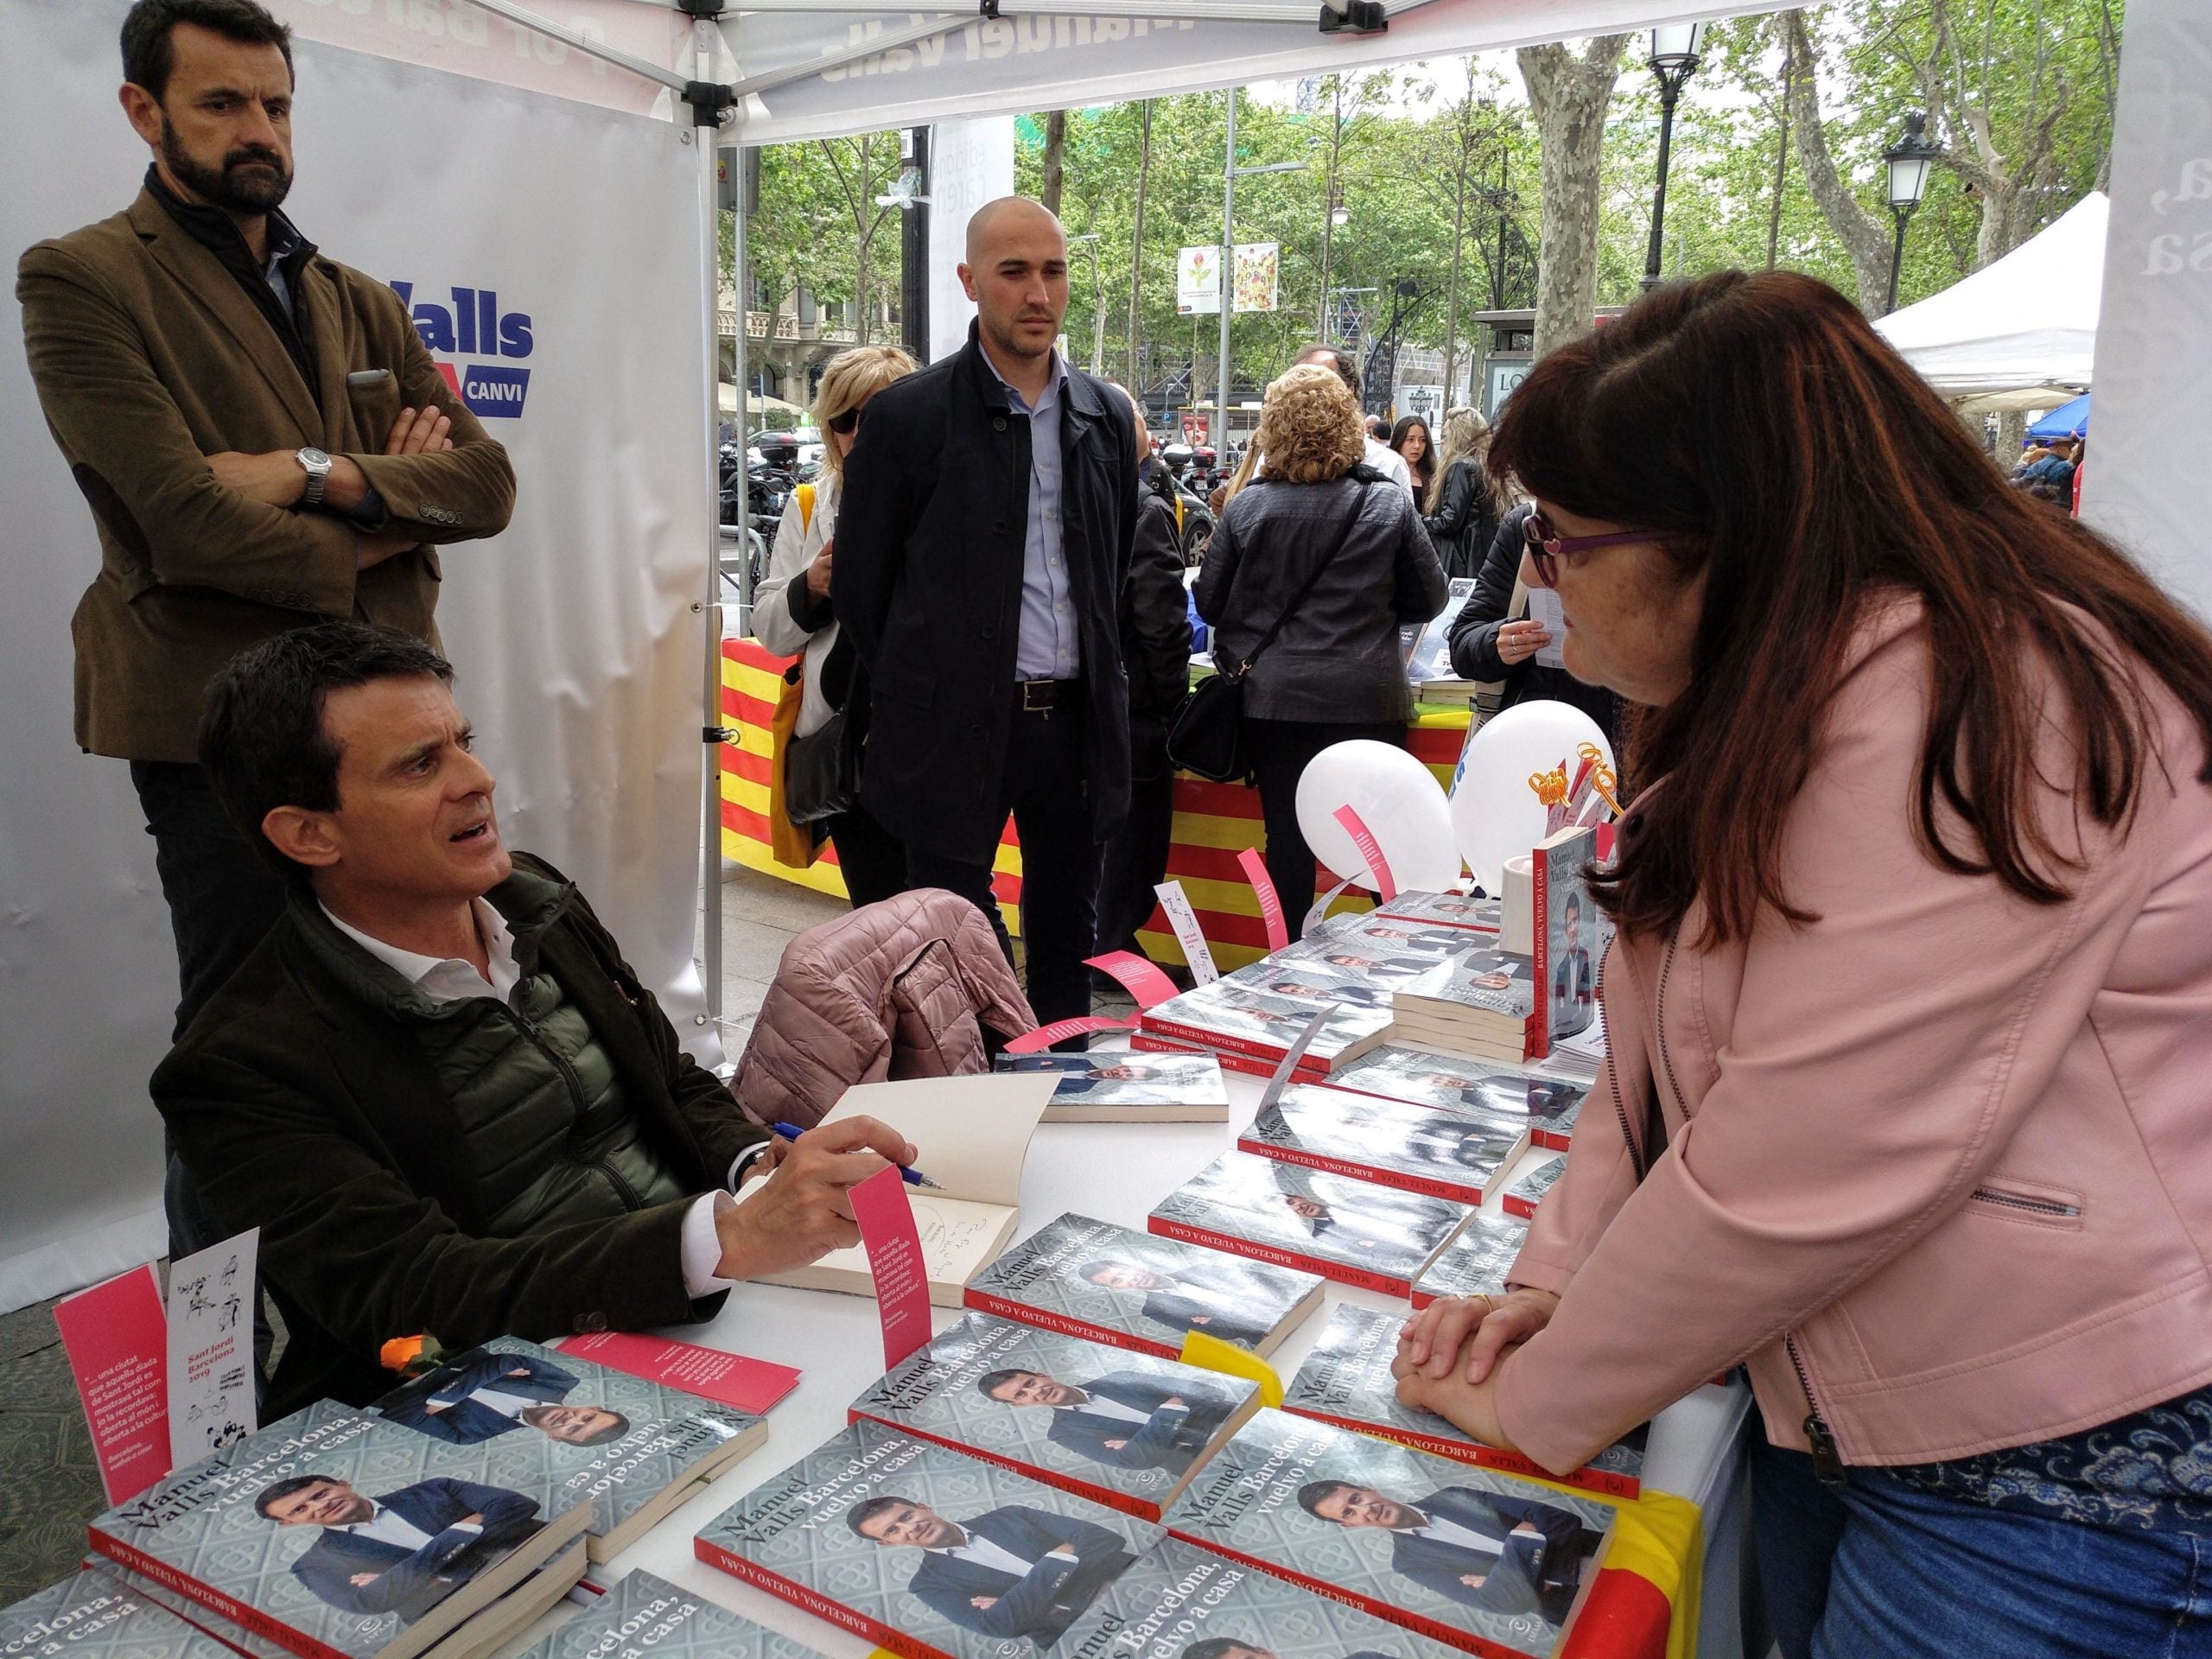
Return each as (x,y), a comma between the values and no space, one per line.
(1193,518)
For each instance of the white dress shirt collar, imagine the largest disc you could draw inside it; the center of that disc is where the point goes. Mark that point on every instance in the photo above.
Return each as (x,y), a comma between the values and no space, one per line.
(448,979)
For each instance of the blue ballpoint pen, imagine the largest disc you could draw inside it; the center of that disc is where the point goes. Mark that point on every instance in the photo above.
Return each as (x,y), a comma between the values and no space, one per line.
(907,1173)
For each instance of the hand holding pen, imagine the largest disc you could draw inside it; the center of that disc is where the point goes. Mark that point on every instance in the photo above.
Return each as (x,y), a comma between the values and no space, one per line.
(803,1209)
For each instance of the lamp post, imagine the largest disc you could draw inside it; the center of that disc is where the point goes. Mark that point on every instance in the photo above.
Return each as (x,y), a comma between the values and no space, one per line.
(1909,160)
(1675,48)
(1229,174)
(1097,305)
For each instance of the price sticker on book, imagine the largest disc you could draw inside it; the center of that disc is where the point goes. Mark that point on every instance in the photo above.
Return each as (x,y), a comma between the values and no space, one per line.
(1175,905)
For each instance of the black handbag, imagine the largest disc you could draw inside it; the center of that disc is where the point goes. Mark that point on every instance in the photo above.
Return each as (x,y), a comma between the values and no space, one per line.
(821,773)
(1208,734)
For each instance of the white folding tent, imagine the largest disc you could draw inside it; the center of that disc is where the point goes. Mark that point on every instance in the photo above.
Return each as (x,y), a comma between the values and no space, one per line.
(2027,322)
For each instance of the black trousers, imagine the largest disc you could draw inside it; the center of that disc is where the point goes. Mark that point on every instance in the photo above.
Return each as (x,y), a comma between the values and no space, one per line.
(872,859)
(1136,860)
(1044,786)
(1279,751)
(223,899)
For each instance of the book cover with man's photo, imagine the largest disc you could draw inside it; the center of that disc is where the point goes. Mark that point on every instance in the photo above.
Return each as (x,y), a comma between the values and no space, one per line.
(1566,937)
(923,1550)
(482,1634)
(647,1617)
(1470,911)
(1178,1602)
(1233,1017)
(1528,1190)
(1381,954)
(338,1536)
(93,1614)
(1118,1427)
(1369,1139)
(1346,1380)
(539,1419)
(1092,1279)
(1314,980)
(1471,1088)
(1481,1004)
(1482,1560)
(1475,1263)
(1355,1232)
(1120,1086)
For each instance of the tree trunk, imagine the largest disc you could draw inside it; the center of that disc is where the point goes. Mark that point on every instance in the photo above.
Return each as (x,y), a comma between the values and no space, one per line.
(1322,329)
(1451,289)
(1864,237)
(1056,147)
(1569,96)
(1135,381)
(1780,162)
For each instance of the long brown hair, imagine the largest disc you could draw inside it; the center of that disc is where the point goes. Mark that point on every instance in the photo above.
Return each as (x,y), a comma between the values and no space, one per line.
(1777,441)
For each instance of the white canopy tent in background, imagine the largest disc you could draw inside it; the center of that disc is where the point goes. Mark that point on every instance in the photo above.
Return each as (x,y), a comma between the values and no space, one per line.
(2025,322)
(84,977)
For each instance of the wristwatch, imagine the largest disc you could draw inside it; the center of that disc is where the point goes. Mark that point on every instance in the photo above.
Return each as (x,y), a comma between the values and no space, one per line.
(317,466)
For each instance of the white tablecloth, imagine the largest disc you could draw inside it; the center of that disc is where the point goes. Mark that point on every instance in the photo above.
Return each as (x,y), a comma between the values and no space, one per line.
(1115,1172)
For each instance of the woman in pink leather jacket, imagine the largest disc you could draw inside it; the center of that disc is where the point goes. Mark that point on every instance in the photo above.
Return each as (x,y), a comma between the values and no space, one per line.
(1908,1108)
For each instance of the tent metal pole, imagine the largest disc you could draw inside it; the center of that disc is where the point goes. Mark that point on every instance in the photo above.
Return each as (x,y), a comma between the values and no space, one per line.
(708,40)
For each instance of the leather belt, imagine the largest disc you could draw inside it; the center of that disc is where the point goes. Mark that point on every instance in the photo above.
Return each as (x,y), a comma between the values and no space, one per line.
(1043,696)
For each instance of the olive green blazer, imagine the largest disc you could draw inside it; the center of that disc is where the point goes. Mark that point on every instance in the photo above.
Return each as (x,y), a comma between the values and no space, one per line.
(148,356)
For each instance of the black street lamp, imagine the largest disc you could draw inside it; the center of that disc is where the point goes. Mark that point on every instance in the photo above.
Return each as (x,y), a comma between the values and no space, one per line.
(1675,48)
(1909,160)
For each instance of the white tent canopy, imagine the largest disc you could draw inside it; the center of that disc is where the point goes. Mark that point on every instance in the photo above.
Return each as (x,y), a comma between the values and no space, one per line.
(2027,322)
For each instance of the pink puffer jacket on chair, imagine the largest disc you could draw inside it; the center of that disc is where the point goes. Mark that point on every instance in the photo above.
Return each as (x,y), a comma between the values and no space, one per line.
(897,990)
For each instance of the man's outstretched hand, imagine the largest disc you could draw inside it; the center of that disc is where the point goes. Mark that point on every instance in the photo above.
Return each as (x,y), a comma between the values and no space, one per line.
(803,1211)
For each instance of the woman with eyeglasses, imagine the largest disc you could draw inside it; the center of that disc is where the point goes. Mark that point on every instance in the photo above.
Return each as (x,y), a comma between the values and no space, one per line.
(1911,1007)
(791,613)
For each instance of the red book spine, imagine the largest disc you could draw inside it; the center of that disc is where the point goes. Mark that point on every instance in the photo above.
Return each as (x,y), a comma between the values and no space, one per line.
(1550,1140)
(815,1602)
(1252,1065)
(1514,1205)
(1105,1495)
(1451,1636)
(1230,1245)
(1429,1186)
(1420,1297)
(1483,1457)
(239,1612)
(1539,935)
(983,1301)
(1199,1037)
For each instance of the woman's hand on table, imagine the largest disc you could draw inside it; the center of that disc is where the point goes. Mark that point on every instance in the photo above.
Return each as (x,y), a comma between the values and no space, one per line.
(1472,1407)
(802,1211)
(1469,1332)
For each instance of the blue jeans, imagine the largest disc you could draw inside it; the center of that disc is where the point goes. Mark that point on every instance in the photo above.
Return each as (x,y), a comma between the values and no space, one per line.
(1876,1569)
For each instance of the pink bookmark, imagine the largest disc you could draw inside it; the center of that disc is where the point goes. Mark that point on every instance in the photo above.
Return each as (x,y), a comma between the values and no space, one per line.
(116,1337)
(1044,1036)
(1140,978)
(1371,850)
(1255,871)
(894,1256)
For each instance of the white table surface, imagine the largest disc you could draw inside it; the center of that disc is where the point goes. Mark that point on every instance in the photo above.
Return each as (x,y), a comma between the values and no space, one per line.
(1115,1172)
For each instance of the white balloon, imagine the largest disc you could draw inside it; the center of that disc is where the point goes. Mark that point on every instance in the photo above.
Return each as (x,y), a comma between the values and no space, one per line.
(1495,814)
(1399,800)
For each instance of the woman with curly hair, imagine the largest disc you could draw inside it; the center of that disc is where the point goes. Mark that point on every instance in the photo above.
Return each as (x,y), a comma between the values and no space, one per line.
(1313,543)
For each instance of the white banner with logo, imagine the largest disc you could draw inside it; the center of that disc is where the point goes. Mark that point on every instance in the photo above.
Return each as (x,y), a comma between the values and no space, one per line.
(549,250)
(971,162)
(2151,426)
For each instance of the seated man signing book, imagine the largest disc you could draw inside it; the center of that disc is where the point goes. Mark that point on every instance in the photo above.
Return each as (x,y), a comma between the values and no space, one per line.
(436,1086)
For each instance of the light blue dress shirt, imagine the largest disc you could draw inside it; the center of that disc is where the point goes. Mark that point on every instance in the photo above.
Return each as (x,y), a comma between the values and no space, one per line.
(1046,648)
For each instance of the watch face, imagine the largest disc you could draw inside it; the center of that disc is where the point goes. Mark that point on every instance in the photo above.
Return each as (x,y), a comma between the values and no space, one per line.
(314,457)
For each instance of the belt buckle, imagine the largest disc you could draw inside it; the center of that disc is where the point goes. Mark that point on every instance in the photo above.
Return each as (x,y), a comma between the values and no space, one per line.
(1037,696)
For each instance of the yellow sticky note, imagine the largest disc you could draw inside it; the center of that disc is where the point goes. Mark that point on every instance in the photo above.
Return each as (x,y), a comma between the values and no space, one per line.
(1213,1354)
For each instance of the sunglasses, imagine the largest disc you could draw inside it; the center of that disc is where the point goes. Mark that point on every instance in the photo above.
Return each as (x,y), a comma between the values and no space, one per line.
(846,424)
(1546,544)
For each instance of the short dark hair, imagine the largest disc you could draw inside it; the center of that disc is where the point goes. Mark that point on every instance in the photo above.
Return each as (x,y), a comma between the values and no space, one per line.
(868,1508)
(1339,359)
(1219,1647)
(991,1380)
(613,1431)
(261,737)
(148,55)
(1311,1494)
(283,1489)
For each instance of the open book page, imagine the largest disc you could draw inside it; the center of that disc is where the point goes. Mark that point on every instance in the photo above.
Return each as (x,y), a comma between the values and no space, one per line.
(959,1240)
(970,1134)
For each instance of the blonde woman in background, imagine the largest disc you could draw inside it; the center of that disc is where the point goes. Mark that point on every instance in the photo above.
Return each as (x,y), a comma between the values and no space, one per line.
(791,613)
(1465,502)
